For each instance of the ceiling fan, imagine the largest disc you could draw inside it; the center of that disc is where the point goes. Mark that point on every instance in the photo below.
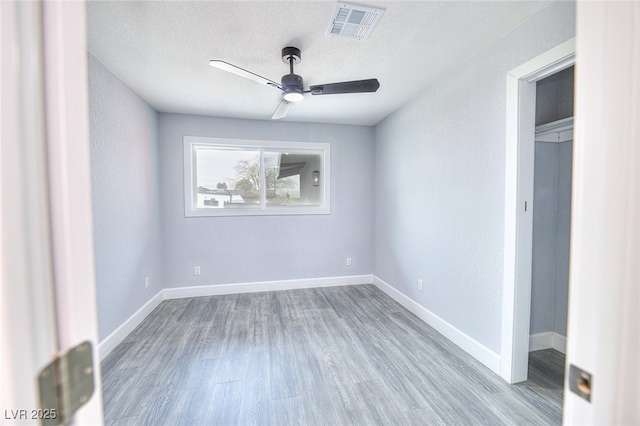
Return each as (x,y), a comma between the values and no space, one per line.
(291,84)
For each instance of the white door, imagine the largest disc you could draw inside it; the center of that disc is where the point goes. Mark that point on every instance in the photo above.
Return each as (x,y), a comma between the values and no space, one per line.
(603,336)
(48,302)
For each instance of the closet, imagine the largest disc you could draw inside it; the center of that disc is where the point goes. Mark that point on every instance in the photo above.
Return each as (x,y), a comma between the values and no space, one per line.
(552,211)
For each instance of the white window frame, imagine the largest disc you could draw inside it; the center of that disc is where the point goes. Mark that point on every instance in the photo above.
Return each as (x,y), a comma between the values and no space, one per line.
(191,143)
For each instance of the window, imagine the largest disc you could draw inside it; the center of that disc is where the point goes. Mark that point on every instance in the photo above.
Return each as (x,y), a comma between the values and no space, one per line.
(227,177)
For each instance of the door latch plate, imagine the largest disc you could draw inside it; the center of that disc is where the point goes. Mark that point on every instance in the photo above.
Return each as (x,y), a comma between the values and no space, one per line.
(580,382)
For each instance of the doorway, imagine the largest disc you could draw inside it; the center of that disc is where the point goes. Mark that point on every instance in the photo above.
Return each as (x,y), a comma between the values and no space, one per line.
(519,191)
(551,211)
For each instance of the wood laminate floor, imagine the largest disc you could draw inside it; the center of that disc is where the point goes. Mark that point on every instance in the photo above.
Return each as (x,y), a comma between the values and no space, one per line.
(326,356)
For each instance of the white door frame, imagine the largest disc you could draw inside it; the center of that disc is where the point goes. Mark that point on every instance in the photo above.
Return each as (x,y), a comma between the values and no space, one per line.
(518,231)
(28,337)
(48,302)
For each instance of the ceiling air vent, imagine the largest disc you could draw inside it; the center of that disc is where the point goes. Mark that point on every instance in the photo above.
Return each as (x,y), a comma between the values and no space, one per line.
(353,21)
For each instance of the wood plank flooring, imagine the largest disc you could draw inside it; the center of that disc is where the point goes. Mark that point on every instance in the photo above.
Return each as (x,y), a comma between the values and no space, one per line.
(327,356)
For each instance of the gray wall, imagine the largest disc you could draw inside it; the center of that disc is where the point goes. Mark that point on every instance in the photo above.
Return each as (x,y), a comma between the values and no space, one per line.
(264,248)
(126,215)
(440,183)
(551,231)
(563,232)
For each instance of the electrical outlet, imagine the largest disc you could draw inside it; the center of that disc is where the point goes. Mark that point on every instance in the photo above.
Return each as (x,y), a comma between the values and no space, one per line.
(196,270)
(146,282)
(419,284)
(348,261)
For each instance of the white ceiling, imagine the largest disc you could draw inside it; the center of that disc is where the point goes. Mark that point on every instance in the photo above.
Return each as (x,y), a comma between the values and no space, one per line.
(161,50)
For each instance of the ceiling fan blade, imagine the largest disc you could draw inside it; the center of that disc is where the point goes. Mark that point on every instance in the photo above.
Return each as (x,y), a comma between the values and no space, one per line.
(243,73)
(358,86)
(282,110)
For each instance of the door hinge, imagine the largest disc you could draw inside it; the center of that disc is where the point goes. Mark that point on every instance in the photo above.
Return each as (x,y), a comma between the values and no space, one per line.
(66,384)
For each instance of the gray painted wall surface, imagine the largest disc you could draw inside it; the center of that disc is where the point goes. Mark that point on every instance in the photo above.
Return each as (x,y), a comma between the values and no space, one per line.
(126,215)
(440,183)
(563,233)
(545,198)
(551,230)
(265,248)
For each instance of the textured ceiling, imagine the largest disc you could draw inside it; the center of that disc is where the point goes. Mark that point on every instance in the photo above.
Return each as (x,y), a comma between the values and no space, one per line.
(161,50)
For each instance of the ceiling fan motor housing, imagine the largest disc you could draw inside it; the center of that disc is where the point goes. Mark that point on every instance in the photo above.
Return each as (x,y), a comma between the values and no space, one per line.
(292,86)
(291,82)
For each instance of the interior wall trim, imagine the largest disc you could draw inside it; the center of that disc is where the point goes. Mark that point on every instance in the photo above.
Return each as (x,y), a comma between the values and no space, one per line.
(480,352)
(474,348)
(253,287)
(118,335)
(109,343)
(548,340)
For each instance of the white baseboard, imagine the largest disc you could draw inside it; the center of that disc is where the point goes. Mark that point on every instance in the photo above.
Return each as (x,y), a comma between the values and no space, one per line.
(548,340)
(253,287)
(468,344)
(119,334)
(480,352)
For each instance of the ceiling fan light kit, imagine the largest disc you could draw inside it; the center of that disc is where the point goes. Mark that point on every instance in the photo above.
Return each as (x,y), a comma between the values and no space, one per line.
(291,84)
(293,96)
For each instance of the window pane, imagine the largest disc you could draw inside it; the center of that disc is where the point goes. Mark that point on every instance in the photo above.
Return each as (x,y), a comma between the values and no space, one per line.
(227,178)
(289,179)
